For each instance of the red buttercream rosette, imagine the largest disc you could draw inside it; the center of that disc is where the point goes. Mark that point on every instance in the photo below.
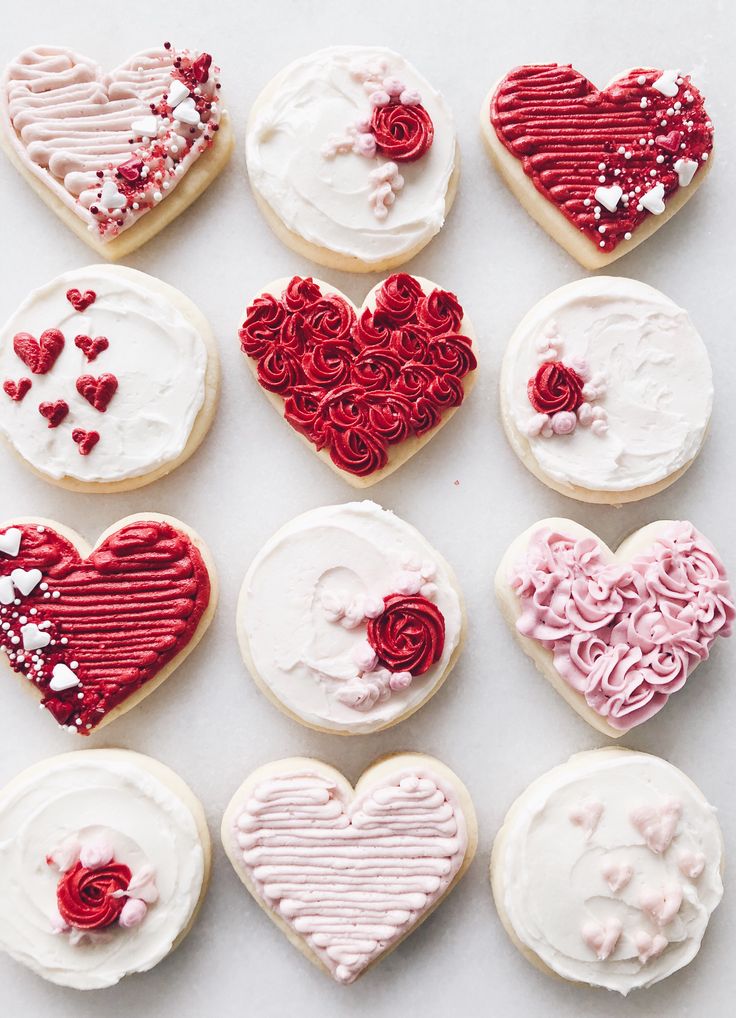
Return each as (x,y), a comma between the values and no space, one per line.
(555,388)
(87,898)
(408,635)
(403,132)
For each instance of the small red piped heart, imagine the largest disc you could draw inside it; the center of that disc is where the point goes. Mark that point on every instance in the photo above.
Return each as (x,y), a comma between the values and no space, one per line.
(39,354)
(91,347)
(54,412)
(81,301)
(17,390)
(670,142)
(86,440)
(97,391)
(201,68)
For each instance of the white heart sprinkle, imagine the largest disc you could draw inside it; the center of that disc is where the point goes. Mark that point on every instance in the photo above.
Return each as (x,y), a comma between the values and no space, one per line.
(7,590)
(653,201)
(63,678)
(178,91)
(145,126)
(685,170)
(33,637)
(111,197)
(666,83)
(26,580)
(186,112)
(609,197)
(10,541)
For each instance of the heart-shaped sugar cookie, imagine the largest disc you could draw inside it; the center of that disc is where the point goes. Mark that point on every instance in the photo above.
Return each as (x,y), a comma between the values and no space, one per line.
(116,155)
(92,631)
(615,633)
(365,388)
(600,170)
(386,854)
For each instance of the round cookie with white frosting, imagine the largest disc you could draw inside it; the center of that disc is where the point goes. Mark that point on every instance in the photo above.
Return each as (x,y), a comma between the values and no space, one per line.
(108,379)
(389,851)
(607,869)
(606,390)
(116,155)
(349,620)
(352,158)
(104,862)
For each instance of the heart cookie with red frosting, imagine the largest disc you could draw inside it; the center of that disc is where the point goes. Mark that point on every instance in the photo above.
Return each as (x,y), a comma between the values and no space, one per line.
(365,388)
(599,169)
(387,852)
(92,631)
(616,634)
(116,155)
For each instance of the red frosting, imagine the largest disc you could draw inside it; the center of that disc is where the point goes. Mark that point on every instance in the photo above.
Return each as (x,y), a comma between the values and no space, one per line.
(555,387)
(80,301)
(97,391)
(408,635)
(17,390)
(562,128)
(86,440)
(120,615)
(54,412)
(39,354)
(402,132)
(356,386)
(90,347)
(86,897)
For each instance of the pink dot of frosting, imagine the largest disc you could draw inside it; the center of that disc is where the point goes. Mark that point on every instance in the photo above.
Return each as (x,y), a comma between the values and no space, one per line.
(133,913)
(564,422)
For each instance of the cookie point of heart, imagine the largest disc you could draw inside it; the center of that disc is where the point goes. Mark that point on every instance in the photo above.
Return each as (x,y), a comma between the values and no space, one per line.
(640,138)
(118,187)
(348,902)
(365,388)
(615,633)
(52,584)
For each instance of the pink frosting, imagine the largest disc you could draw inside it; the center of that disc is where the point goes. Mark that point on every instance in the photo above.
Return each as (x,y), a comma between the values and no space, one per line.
(624,636)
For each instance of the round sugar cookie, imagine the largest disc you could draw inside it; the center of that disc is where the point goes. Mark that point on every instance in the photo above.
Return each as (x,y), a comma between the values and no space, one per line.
(606,390)
(105,859)
(108,379)
(349,620)
(352,158)
(607,869)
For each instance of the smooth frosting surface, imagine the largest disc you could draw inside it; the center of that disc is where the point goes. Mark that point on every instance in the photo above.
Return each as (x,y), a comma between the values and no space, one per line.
(155,354)
(351,876)
(307,602)
(610,869)
(327,201)
(649,375)
(86,796)
(111,146)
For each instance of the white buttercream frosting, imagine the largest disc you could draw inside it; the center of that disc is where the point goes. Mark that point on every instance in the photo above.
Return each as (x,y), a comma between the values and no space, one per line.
(657,386)
(155,353)
(304,605)
(86,796)
(614,853)
(327,200)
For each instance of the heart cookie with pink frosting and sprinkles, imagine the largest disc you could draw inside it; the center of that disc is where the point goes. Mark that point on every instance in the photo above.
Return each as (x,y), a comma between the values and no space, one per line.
(616,633)
(116,155)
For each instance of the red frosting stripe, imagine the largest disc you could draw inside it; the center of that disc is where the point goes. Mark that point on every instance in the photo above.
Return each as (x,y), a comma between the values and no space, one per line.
(119,615)
(86,897)
(563,130)
(356,386)
(408,635)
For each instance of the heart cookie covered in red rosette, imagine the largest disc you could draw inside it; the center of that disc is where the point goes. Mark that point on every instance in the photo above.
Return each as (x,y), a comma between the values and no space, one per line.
(600,169)
(367,389)
(93,631)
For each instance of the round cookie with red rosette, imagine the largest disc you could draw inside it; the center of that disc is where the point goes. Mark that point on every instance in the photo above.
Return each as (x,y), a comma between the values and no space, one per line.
(365,388)
(352,158)
(349,620)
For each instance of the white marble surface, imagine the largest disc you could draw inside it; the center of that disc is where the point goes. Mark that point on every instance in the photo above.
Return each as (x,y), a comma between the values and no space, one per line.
(495,722)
